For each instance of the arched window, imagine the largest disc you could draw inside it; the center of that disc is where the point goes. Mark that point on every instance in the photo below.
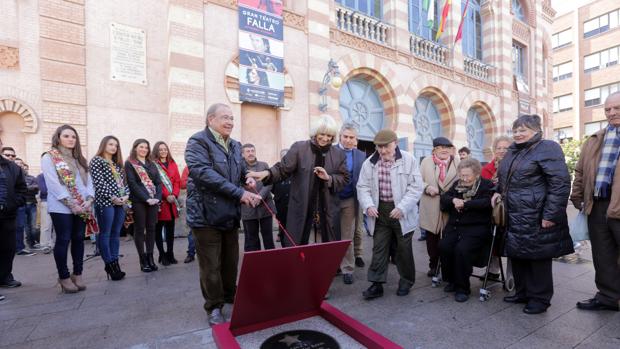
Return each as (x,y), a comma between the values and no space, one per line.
(360,105)
(373,8)
(518,11)
(472,30)
(475,134)
(427,122)
(419,23)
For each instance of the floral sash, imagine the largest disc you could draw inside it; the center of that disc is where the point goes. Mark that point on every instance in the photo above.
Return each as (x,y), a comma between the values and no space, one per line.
(166,181)
(120,182)
(67,177)
(144,177)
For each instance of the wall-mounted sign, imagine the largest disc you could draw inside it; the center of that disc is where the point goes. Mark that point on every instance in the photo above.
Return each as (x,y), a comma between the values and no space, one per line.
(127,54)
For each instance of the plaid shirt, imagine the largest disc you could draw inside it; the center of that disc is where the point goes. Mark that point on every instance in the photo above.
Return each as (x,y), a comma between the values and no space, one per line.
(607,165)
(385,181)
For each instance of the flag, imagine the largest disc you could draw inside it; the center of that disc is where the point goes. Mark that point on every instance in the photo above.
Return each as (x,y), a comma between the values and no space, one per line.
(430,14)
(444,18)
(459,33)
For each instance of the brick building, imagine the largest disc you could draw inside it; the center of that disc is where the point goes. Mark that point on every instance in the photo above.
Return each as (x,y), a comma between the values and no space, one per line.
(586,44)
(55,67)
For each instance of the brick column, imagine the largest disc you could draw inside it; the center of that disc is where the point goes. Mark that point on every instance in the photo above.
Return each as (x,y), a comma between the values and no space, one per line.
(63,72)
(186,87)
(319,22)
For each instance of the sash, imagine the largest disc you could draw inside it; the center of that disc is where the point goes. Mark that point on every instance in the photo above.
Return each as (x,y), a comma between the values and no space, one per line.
(120,182)
(67,177)
(166,182)
(144,177)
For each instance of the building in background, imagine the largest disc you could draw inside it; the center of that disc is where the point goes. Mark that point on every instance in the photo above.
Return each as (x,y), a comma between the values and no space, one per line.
(586,44)
(150,68)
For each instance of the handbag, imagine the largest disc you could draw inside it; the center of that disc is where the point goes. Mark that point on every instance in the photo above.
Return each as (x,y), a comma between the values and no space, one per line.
(499,213)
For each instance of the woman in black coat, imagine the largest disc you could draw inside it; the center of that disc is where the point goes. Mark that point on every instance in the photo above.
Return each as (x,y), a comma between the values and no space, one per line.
(534,184)
(469,227)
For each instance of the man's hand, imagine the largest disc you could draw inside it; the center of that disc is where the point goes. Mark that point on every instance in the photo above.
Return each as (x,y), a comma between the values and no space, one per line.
(250,199)
(547,224)
(578,205)
(396,213)
(432,191)
(259,175)
(321,173)
(459,204)
(372,212)
(250,183)
(495,199)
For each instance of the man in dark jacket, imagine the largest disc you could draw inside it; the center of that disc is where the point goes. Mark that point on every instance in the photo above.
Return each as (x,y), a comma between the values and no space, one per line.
(217,173)
(31,208)
(349,208)
(12,192)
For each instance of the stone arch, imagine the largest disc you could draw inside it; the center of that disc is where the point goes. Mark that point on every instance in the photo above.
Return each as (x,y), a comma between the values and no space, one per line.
(488,122)
(444,107)
(529,10)
(13,105)
(231,84)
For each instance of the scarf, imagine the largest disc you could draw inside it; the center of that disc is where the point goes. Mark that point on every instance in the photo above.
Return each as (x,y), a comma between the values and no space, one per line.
(144,177)
(607,164)
(67,177)
(443,165)
(317,194)
(468,192)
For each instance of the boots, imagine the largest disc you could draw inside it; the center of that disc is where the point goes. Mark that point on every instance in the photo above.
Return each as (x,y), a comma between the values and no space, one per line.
(151,262)
(108,271)
(171,259)
(67,286)
(78,282)
(163,259)
(144,264)
(117,268)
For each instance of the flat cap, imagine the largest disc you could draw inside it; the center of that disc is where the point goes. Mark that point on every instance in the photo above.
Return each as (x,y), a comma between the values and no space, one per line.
(442,141)
(384,137)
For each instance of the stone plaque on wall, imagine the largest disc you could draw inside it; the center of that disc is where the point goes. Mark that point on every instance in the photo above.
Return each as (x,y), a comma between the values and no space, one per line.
(127,54)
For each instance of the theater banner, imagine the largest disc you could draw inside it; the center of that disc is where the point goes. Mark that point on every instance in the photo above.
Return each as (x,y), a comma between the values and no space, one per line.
(261,52)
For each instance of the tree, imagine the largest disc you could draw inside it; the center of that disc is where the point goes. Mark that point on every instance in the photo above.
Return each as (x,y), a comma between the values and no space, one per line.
(572,149)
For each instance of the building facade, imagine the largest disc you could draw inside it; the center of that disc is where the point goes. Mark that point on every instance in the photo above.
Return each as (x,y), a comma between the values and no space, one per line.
(586,44)
(56,59)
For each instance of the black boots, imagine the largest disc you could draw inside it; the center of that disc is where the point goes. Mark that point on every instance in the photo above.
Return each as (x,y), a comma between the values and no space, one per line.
(163,259)
(151,261)
(144,263)
(171,259)
(113,271)
(117,269)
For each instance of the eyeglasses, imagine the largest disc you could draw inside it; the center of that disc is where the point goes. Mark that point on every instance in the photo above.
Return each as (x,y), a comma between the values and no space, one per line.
(10,155)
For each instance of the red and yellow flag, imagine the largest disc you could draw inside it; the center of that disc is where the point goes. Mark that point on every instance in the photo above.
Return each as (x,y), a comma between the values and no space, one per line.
(444,18)
(459,33)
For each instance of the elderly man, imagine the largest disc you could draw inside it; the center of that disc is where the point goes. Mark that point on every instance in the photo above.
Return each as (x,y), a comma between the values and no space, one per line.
(217,175)
(349,207)
(388,190)
(596,190)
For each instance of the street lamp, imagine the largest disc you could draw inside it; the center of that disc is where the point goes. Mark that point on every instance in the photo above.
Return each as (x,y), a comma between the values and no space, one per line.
(332,75)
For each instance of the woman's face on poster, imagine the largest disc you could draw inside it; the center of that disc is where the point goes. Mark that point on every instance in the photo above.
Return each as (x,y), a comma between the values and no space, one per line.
(258,43)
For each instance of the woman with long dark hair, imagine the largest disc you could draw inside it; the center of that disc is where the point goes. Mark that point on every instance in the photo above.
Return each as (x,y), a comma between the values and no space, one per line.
(69,201)
(111,197)
(169,208)
(145,196)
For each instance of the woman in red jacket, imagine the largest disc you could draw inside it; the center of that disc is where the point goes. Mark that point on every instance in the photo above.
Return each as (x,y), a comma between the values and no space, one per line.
(169,209)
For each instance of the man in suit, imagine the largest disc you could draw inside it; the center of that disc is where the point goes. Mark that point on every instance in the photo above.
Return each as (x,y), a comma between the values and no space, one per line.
(349,208)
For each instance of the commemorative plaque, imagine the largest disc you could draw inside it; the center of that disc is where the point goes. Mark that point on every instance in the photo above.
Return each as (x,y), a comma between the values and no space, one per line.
(300,339)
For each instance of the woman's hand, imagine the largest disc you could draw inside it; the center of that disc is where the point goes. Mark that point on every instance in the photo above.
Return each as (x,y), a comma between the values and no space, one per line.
(432,191)
(152,202)
(458,204)
(495,199)
(547,224)
(257,175)
(170,198)
(321,173)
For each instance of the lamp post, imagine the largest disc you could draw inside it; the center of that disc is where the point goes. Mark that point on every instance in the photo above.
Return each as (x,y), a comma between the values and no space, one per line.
(332,77)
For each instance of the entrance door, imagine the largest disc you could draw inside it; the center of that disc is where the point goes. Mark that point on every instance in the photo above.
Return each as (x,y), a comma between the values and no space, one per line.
(427,124)
(360,105)
(475,134)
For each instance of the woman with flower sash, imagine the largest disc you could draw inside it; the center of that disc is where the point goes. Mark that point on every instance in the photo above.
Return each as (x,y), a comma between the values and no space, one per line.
(111,198)
(70,196)
(169,208)
(145,196)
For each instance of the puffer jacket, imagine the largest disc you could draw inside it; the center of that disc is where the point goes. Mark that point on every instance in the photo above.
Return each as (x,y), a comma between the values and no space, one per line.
(214,187)
(537,189)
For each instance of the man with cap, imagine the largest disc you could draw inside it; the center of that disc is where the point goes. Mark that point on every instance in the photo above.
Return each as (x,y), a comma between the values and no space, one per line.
(388,191)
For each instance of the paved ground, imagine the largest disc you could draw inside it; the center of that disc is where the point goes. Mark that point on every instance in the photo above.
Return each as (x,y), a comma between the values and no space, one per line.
(164,310)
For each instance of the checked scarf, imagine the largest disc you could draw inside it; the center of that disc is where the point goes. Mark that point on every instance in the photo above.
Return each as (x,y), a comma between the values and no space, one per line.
(607,165)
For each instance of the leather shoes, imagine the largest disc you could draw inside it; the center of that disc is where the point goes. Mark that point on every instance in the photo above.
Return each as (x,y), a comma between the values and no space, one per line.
(595,304)
(461,297)
(449,288)
(535,308)
(12,283)
(374,291)
(188,259)
(347,278)
(403,290)
(216,317)
(515,299)
(359,262)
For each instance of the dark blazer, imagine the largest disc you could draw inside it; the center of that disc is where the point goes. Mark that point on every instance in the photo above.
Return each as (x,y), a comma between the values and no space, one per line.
(475,218)
(214,187)
(15,187)
(537,189)
(358,160)
(137,190)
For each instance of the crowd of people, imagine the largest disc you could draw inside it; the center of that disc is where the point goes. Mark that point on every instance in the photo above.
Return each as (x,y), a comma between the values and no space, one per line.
(323,189)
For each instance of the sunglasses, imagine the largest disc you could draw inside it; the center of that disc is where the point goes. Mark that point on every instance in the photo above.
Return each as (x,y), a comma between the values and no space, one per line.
(10,155)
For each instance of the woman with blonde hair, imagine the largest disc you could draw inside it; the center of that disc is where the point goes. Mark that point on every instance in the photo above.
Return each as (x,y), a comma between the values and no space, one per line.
(317,171)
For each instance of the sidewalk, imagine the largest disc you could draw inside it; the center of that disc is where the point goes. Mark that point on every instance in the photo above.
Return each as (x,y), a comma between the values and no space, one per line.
(164,309)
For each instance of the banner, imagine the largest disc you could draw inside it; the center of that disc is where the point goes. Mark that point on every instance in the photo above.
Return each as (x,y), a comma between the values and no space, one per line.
(261,52)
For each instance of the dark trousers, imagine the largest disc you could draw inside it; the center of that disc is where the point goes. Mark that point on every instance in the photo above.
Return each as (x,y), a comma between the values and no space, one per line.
(20,223)
(7,247)
(386,230)
(70,230)
(459,252)
(218,257)
(605,239)
(533,279)
(145,217)
(250,230)
(432,248)
(191,244)
(168,228)
(30,222)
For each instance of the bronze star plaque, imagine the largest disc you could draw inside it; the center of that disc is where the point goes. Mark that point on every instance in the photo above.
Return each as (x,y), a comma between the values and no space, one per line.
(300,339)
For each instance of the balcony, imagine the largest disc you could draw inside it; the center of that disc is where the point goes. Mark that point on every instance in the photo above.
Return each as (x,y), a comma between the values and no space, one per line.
(477,69)
(366,27)
(429,50)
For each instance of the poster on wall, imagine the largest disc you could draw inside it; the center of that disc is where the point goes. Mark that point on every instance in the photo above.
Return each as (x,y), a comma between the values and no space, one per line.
(127,54)
(261,52)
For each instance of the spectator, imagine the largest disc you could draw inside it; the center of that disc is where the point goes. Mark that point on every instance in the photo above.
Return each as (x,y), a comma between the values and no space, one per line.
(47,235)
(281,192)
(30,209)
(464,153)
(191,244)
